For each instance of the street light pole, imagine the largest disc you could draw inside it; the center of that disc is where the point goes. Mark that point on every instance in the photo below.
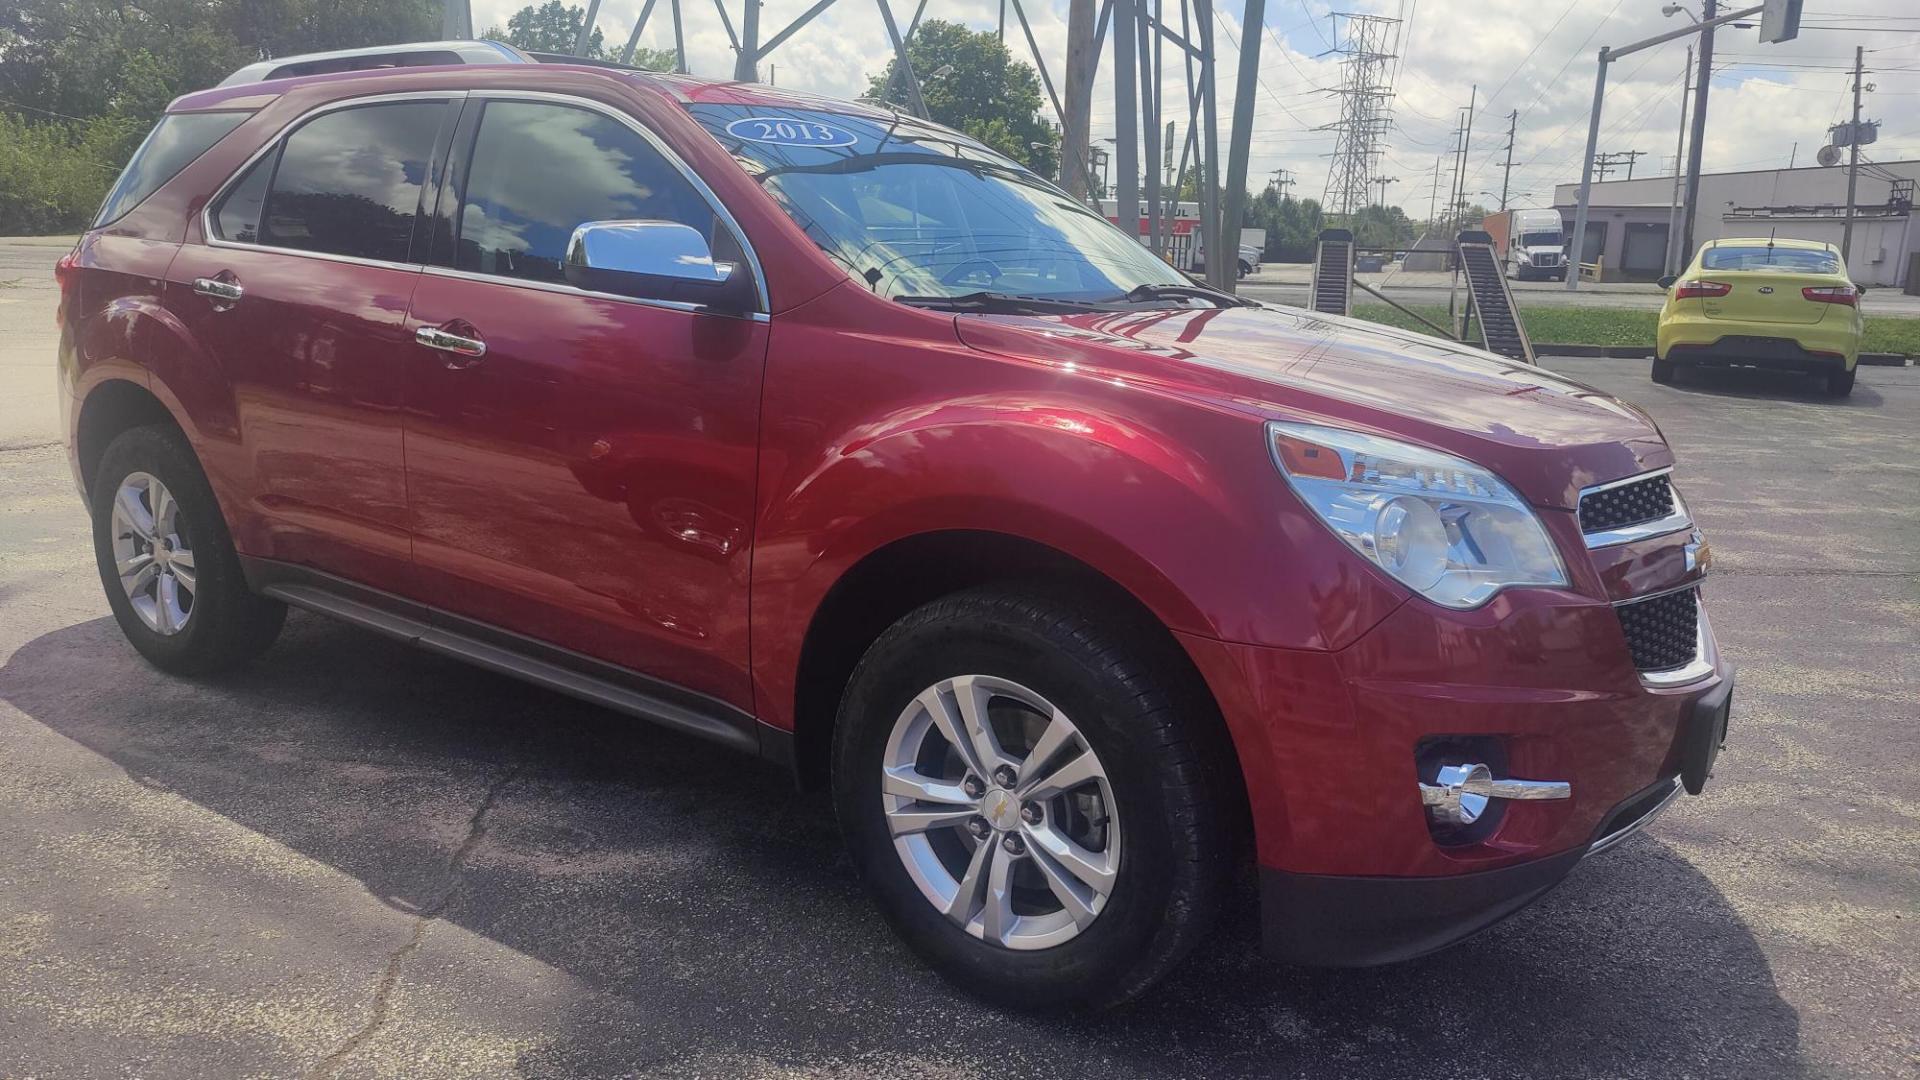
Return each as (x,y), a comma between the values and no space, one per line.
(1679,152)
(1702,81)
(1607,55)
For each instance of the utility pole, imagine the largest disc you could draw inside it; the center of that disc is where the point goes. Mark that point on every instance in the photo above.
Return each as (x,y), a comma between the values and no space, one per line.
(1853,155)
(1082,59)
(1239,146)
(1506,171)
(1780,23)
(1433,200)
(1679,152)
(1383,181)
(1697,138)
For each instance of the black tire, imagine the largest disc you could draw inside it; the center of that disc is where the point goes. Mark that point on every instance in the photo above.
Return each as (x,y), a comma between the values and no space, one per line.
(226,625)
(1662,371)
(1166,764)
(1840,383)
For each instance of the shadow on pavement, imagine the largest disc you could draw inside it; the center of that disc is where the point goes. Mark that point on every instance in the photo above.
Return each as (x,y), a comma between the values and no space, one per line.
(1765,385)
(709,913)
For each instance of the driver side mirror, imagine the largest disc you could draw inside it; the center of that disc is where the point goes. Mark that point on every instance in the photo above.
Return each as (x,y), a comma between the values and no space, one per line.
(1667,281)
(657,260)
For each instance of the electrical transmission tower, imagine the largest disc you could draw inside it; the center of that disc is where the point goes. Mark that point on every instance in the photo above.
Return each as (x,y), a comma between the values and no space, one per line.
(1366,103)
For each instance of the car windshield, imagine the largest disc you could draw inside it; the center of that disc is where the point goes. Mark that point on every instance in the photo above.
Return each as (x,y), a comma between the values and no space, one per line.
(1767,257)
(1540,239)
(915,210)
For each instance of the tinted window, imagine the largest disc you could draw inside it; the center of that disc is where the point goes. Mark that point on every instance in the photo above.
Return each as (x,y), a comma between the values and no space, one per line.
(239,215)
(175,142)
(349,181)
(538,171)
(1761,257)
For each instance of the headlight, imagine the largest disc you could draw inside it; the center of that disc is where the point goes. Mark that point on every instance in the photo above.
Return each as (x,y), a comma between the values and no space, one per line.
(1446,528)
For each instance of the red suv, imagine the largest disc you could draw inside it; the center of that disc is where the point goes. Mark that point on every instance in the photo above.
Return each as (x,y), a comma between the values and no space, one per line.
(835,436)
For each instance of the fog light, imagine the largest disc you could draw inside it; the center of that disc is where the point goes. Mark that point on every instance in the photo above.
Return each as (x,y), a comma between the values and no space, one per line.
(1459,793)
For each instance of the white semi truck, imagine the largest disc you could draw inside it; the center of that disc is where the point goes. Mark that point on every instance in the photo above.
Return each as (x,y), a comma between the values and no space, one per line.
(1532,243)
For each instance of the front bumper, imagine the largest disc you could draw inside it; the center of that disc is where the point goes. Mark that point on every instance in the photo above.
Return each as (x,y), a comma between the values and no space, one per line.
(1351,872)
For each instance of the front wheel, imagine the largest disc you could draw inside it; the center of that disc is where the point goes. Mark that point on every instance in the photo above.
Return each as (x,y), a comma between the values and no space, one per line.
(1033,813)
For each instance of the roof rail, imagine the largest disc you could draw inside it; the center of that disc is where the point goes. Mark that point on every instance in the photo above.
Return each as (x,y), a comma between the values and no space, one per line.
(414,54)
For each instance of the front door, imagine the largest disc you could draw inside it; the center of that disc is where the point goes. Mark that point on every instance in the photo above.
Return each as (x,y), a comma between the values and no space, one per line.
(582,472)
(300,292)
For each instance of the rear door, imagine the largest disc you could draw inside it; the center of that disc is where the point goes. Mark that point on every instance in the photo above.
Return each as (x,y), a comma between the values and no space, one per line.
(300,292)
(587,478)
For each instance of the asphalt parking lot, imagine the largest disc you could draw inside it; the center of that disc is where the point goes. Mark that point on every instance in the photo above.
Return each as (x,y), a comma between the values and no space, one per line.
(357,860)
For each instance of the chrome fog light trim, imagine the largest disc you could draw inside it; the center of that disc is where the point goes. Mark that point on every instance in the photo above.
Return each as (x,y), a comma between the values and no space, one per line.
(1460,792)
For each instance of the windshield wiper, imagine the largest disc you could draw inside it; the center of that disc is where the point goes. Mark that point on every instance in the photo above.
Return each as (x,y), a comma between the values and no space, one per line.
(1003,303)
(1153,291)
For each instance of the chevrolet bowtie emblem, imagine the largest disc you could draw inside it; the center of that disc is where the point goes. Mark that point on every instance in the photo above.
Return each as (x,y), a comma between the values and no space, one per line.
(1699,554)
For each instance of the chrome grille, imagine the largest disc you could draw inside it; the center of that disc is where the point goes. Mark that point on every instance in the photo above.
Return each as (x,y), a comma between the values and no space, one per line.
(1622,505)
(1663,632)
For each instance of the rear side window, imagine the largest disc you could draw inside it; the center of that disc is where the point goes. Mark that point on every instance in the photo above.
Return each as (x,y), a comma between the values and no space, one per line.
(348,182)
(539,171)
(238,218)
(175,142)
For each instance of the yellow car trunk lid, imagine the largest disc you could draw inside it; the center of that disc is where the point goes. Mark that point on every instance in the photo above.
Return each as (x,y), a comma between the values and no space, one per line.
(1763,296)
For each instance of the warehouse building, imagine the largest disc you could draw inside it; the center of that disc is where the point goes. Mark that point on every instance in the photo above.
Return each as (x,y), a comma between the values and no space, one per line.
(1627,220)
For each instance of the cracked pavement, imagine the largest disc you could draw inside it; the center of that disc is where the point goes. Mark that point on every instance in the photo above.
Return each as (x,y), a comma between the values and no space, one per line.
(356,860)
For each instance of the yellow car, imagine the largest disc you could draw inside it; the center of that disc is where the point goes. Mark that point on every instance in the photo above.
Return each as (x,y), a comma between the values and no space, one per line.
(1783,304)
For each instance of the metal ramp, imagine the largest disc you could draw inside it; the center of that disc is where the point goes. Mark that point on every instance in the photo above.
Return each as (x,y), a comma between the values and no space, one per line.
(1489,300)
(1333,273)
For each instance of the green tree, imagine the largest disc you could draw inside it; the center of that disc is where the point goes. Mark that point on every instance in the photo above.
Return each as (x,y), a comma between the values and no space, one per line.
(973,84)
(553,27)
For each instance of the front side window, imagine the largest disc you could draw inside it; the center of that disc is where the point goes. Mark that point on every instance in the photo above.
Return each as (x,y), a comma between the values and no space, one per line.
(538,171)
(175,142)
(911,209)
(349,181)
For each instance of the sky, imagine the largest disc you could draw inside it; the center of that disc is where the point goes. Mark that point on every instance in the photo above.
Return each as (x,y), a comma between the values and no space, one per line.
(1531,61)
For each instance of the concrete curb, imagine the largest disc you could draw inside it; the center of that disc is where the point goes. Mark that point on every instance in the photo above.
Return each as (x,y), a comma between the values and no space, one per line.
(1642,352)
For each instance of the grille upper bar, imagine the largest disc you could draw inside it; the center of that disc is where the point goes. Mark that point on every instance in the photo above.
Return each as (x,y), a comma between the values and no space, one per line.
(1633,508)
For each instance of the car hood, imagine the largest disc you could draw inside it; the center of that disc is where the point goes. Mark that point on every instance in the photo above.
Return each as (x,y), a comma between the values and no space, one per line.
(1546,434)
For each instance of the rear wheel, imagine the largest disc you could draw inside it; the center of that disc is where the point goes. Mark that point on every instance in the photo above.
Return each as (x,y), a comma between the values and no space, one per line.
(1032,812)
(1662,370)
(1840,383)
(167,564)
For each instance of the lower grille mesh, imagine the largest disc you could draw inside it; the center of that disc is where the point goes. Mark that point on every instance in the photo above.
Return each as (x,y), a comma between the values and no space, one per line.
(1662,633)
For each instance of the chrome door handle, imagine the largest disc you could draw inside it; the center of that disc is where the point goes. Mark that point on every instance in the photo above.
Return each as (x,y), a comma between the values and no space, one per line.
(215,289)
(435,338)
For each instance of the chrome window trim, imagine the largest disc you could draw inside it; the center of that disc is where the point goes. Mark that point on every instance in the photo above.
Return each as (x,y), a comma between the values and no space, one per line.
(211,238)
(559,289)
(1646,530)
(672,158)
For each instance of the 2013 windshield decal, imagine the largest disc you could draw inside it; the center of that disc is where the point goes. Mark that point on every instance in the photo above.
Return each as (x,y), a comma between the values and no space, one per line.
(781,131)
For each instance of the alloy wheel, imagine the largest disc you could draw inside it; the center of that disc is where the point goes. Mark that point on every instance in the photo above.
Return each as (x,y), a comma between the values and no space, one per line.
(151,554)
(1001,812)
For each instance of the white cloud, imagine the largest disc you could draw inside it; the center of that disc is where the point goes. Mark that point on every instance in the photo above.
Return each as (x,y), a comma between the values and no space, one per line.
(1765,98)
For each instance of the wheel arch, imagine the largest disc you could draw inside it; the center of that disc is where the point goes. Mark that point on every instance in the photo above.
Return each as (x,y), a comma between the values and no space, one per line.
(894,579)
(111,407)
